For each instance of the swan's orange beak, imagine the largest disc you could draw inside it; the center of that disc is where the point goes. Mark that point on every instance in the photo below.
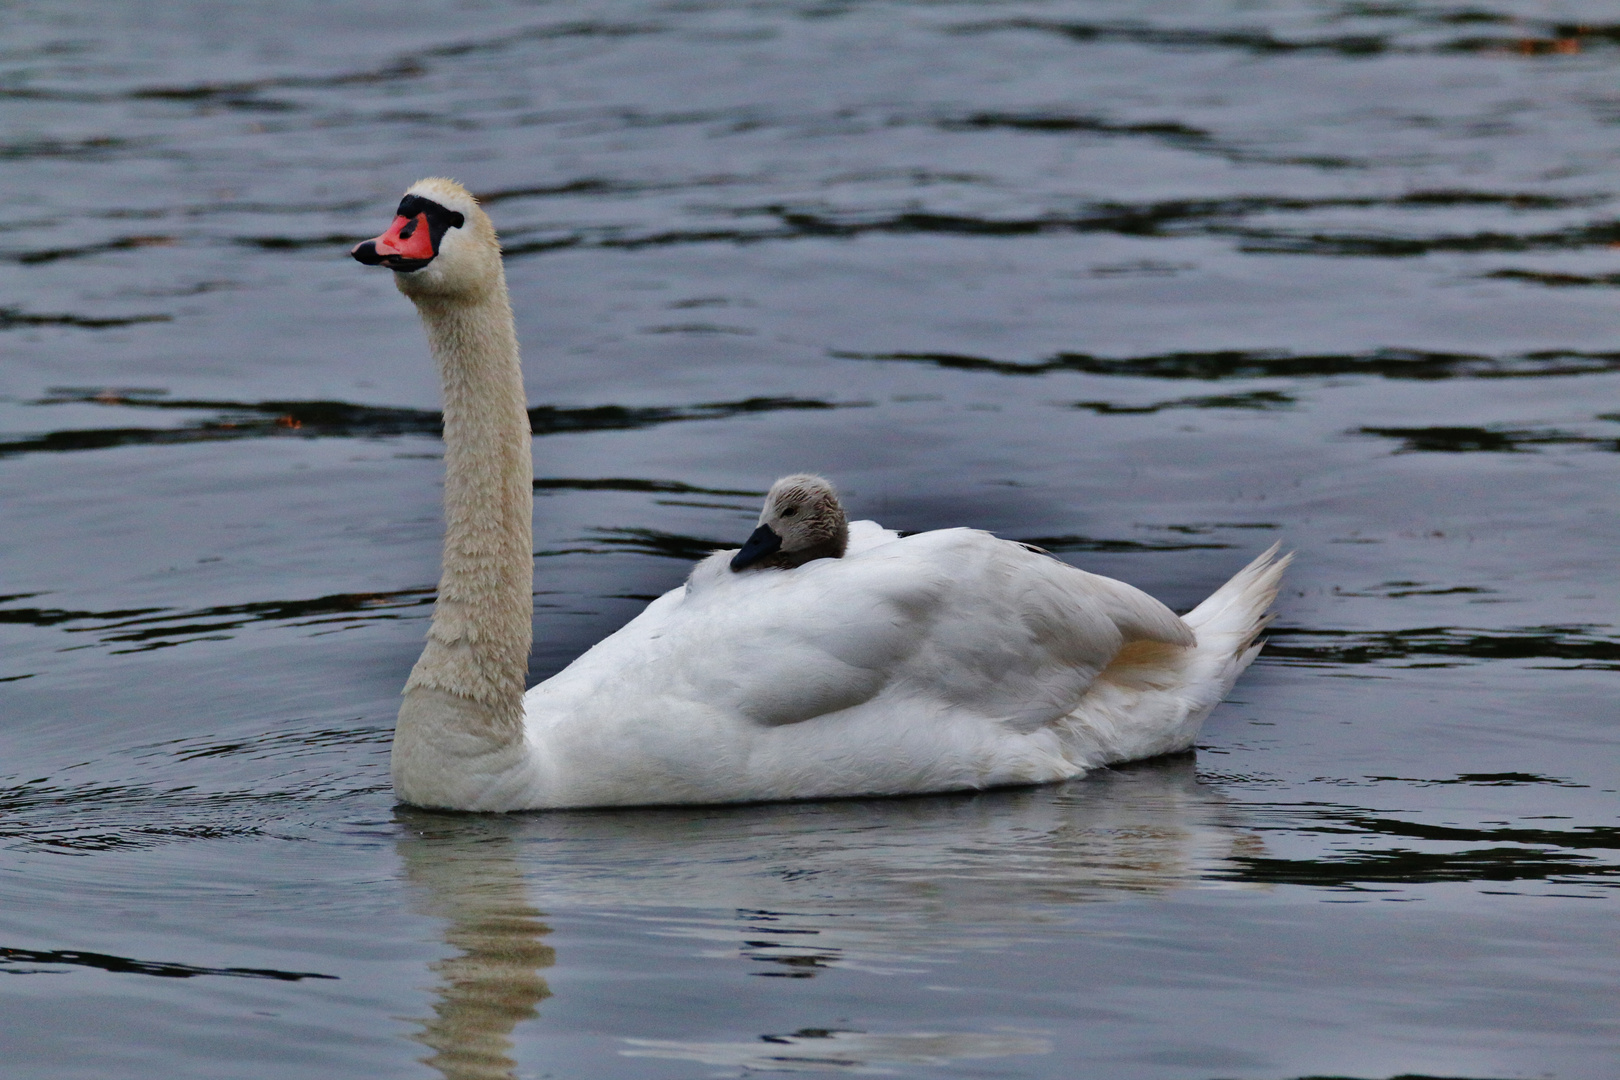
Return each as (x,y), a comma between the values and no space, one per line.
(412,241)
(407,245)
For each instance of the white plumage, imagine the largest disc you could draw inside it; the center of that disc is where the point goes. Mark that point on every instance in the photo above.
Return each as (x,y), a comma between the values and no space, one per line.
(941,661)
(945,660)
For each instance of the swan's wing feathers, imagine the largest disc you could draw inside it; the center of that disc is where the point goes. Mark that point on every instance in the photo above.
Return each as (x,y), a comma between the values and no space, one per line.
(1138,616)
(1009,634)
(953,622)
(950,621)
(788,646)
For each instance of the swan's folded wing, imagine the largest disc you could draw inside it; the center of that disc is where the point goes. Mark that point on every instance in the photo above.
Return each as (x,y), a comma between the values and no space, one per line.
(950,622)
(942,622)
(1138,616)
(1018,636)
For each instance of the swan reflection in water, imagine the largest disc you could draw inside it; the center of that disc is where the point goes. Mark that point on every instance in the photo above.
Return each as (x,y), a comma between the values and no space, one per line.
(883,885)
(471,878)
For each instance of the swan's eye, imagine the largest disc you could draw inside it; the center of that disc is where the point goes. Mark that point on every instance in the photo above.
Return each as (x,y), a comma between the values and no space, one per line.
(790,511)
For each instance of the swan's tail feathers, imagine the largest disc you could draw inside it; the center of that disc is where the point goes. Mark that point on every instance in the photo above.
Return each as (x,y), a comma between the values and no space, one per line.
(1235,614)
(1228,625)
(1153,698)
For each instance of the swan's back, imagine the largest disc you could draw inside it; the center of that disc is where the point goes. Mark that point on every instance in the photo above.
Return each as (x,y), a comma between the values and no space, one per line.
(944,659)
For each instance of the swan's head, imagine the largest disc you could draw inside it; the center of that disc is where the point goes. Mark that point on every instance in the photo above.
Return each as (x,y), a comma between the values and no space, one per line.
(802,520)
(440,243)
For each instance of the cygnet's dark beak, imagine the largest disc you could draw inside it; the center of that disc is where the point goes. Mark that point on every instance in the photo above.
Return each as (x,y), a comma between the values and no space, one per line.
(764,542)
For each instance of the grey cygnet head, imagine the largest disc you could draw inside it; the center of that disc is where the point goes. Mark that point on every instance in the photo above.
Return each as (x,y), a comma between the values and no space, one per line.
(802,520)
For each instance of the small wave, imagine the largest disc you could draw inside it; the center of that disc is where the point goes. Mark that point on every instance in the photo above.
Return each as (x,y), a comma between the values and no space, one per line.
(1538,37)
(1555,280)
(832,1050)
(1496,439)
(1555,647)
(298,243)
(1111,546)
(1360,869)
(122,243)
(341,419)
(1242,40)
(272,746)
(1060,123)
(1170,132)
(1507,779)
(549,420)
(11,318)
(11,961)
(1398,590)
(97,146)
(639,541)
(1475,855)
(790,952)
(595,186)
(656,487)
(249,94)
(1530,37)
(89,817)
(1169,217)
(1601,234)
(85,819)
(1277,363)
(244,93)
(587,186)
(588,28)
(1256,399)
(145,629)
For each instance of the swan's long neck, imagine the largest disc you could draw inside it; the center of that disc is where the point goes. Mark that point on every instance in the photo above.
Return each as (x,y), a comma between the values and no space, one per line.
(464,698)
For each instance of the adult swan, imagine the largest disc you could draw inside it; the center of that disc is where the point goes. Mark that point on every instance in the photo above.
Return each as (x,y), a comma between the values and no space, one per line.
(942,661)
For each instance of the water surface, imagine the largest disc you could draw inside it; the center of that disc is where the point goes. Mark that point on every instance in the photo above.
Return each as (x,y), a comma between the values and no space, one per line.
(1152,286)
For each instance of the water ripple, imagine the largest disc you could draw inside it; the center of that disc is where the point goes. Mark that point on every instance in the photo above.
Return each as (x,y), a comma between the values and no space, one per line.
(642,541)
(1261,363)
(660,487)
(1555,280)
(832,1050)
(1254,399)
(1495,439)
(1223,217)
(1478,854)
(340,419)
(11,959)
(1095,544)
(1578,647)
(145,629)
(1532,37)
(122,243)
(93,147)
(11,318)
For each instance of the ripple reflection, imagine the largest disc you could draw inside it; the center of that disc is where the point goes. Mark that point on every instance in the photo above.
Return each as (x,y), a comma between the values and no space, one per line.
(883,886)
(476,883)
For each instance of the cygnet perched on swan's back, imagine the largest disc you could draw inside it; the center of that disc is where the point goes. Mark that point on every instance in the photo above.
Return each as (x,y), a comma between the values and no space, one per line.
(802,521)
(940,660)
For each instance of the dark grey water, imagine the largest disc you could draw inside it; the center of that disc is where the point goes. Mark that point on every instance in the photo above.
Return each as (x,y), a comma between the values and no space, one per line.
(1150,284)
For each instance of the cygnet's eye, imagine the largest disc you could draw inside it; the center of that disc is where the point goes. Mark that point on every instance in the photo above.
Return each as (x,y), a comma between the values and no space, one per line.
(790,511)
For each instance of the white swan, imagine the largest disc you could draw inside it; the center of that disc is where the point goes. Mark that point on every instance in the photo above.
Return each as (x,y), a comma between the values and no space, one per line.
(941,661)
